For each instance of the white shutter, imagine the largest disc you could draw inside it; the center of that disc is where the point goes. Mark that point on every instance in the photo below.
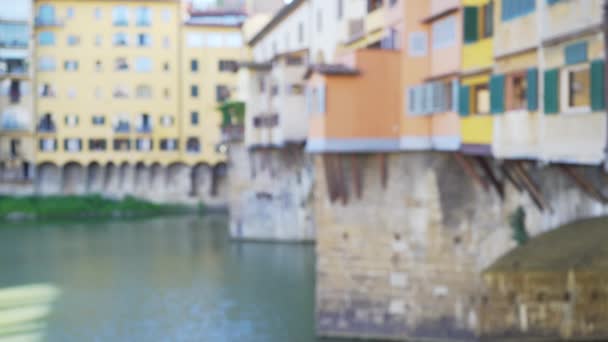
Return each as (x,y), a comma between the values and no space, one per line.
(410,95)
(428,104)
(420,99)
(455,95)
(322,104)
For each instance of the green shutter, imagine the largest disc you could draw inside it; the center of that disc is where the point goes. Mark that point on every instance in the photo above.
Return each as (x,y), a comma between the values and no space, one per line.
(497,94)
(552,91)
(463,102)
(598,102)
(471,26)
(532,91)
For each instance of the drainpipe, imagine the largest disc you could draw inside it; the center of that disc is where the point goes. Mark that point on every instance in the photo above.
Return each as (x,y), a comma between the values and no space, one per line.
(605,29)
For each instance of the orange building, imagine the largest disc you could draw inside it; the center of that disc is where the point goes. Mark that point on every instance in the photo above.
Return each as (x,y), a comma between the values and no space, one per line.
(354,107)
(432,54)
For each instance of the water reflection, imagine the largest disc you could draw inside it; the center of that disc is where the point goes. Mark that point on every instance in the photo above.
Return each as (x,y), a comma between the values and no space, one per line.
(177,279)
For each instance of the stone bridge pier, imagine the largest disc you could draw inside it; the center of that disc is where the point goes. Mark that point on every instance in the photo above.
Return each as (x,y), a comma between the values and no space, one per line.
(406,245)
(172,183)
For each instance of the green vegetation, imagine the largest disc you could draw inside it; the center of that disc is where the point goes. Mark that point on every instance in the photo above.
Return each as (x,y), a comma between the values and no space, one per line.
(94,206)
(518,225)
(233,113)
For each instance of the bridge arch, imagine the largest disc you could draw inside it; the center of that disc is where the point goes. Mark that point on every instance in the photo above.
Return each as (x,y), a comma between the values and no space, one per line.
(95,178)
(73,179)
(48,180)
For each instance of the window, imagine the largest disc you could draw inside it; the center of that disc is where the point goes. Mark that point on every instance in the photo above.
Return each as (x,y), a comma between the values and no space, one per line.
(121,64)
(144,124)
(143,91)
(143,16)
(166,42)
(444,33)
(226,65)
(319,21)
(120,15)
(166,66)
(143,144)
(46,90)
(121,39)
(487,20)
(70,65)
(222,93)
(97,13)
(194,118)
(515,8)
(120,92)
(98,66)
(578,83)
(214,40)
(391,41)
(481,99)
(195,40)
(373,5)
(71,120)
(262,84)
(194,91)
(48,145)
(166,93)
(290,60)
(72,93)
(166,120)
(166,15)
(295,89)
(121,123)
(46,64)
(97,145)
(122,144)
(46,124)
(73,40)
(234,40)
(417,44)
(168,144)
(46,14)
(72,145)
(98,40)
(301,32)
(144,40)
(194,65)
(14,34)
(69,13)
(429,98)
(46,38)
(143,64)
(193,145)
(98,93)
(517,90)
(98,120)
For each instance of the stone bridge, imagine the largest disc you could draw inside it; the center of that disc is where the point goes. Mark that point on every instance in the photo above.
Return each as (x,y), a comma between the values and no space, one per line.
(172,183)
(419,246)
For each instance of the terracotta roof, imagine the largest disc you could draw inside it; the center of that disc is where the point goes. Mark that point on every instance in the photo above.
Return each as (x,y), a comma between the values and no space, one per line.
(331,69)
(281,14)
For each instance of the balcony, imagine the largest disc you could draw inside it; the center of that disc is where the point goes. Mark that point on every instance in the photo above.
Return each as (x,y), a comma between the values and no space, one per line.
(233,133)
(41,22)
(375,19)
(47,128)
(233,121)
(13,69)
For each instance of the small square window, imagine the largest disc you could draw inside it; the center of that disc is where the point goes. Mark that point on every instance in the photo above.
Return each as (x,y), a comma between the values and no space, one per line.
(578,88)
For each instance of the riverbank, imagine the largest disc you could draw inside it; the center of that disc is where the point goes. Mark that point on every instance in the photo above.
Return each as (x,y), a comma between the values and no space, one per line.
(74,207)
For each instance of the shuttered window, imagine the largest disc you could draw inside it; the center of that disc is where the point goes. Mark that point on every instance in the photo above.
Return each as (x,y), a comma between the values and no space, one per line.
(428,98)
(471,24)
(598,102)
(455,96)
(532,91)
(411,100)
(551,91)
(464,99)
(497,94)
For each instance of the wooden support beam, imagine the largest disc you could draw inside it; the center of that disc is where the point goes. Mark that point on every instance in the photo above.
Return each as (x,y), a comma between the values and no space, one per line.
(342,180)
(356,168)
(532,188)
(510,177)
(329,178)
(487,169)
(583,183)
(384,170)
(469,169)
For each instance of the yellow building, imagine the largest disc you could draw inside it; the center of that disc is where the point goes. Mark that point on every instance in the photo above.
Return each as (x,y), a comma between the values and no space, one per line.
(212,45)
(477,60)
(107,81)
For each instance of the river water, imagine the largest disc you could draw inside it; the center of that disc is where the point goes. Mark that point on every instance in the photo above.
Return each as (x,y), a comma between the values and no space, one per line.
(162,279)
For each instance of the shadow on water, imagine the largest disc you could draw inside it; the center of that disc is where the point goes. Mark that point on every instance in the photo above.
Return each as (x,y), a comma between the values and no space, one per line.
(173,278)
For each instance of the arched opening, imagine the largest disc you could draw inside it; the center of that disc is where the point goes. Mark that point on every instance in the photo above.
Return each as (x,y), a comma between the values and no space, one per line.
(48,180)
(73,179)
(193,145)
(156,173)
(140,176)
(200,178)
(94,178)
(109,176)
(178,178)
(218,179)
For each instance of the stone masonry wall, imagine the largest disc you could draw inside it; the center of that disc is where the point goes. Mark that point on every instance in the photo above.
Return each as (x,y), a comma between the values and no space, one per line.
(270,194)
(404,260)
